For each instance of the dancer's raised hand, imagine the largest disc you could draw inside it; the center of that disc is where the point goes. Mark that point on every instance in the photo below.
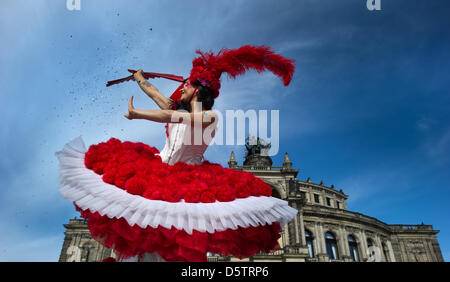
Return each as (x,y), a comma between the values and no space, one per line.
(131,110)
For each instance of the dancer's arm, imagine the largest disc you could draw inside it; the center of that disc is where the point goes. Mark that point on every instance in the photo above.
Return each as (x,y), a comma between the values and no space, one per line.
(164,116)
(163,102)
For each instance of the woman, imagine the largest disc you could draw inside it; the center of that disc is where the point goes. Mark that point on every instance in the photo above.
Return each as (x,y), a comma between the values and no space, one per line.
(173,205)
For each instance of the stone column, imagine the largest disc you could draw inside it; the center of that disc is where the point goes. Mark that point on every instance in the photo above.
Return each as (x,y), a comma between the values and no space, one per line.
(321,238)
(431,251)
(307,196)
(286,238)
(78,242)
(403,251)
(298,227)
(391,251)
(302,228)
(345,252)
(363,245)
(316,241)
(324,198)
(380,246)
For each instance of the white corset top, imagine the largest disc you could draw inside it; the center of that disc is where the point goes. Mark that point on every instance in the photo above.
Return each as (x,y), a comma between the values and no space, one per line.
(180,145)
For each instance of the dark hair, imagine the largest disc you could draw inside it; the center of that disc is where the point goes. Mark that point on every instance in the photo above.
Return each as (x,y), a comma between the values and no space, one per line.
(204,95)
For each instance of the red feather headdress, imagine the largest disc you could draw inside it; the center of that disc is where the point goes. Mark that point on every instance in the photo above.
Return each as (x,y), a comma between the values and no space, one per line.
(208,68)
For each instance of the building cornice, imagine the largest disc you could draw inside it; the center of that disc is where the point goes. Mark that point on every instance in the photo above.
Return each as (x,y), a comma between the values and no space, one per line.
(359,218)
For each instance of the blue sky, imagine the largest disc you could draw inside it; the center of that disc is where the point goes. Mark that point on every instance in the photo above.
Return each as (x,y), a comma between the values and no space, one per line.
(367,109)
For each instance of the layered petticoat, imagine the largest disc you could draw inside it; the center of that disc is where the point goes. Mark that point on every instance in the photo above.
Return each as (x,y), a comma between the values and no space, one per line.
(136,204)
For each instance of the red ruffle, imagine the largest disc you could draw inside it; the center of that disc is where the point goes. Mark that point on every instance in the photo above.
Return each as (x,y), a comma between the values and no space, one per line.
(135,168)
(177,245)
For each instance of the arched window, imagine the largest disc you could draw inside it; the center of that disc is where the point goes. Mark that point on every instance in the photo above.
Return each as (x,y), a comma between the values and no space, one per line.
(309,243)
(331,244)
(353,246)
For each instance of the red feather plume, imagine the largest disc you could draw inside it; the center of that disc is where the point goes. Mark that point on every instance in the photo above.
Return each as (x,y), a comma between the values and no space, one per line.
(208,68)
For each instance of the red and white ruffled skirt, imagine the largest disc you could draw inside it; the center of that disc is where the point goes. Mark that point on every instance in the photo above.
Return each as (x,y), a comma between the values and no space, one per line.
(136,204)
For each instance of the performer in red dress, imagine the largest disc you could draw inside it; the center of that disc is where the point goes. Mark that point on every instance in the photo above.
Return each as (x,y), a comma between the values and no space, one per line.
(173,205)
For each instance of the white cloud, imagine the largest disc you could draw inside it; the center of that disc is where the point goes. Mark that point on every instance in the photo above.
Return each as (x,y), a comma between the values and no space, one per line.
(439,147)
(425,123)
(299,44)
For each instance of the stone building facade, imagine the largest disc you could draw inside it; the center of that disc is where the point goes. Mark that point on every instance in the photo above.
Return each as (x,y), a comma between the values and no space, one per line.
(323,230)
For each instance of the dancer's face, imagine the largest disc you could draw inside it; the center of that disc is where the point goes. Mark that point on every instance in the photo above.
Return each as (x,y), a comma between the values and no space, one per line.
(187,92)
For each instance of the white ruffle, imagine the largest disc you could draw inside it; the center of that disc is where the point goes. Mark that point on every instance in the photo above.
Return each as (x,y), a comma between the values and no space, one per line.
(87,189)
